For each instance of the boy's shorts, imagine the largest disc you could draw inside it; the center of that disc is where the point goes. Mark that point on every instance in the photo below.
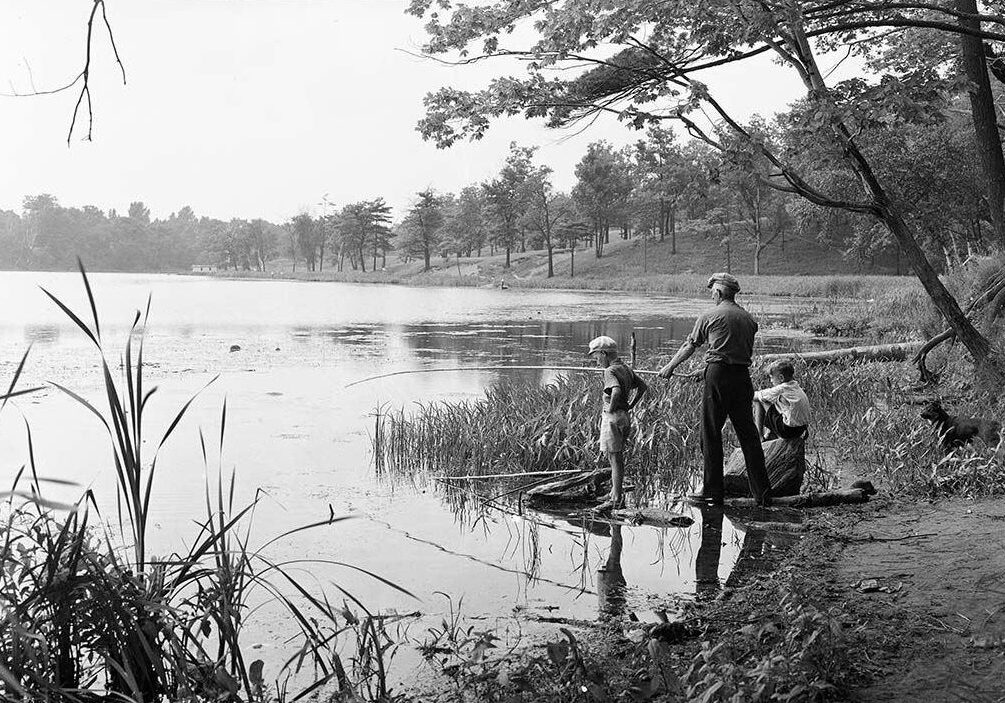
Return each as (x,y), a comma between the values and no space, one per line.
(614,430)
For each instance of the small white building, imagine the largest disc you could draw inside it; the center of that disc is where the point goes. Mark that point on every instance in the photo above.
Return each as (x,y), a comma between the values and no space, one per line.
(204,268)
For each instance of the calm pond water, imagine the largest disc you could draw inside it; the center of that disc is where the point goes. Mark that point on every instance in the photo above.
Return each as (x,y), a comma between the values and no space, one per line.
(297,433)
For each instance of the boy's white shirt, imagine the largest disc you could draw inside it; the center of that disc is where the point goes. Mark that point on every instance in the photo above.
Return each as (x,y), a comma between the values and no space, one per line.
(791,401)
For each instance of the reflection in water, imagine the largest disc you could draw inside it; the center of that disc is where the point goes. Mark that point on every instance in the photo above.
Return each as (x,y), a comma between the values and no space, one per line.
(611,584)
(706,565)
(751,558)
(309,445)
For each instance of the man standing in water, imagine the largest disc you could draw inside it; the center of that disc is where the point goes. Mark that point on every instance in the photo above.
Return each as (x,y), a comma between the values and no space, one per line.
(728,330)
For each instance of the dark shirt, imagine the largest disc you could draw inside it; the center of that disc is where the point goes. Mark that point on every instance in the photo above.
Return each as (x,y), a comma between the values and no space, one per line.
(618,375)
(728,330)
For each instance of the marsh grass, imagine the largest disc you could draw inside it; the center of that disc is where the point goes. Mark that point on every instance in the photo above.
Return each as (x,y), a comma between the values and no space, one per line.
(87,615)
(865,424)
(525,427)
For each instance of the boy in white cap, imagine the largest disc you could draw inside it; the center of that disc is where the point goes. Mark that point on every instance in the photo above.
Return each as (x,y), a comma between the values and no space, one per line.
(615,424)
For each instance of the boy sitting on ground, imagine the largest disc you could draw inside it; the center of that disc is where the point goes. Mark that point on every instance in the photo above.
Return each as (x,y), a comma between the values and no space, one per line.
(782,411)
(615,424)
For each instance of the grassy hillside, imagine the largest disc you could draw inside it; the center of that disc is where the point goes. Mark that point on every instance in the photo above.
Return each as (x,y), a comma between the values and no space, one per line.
(802,268)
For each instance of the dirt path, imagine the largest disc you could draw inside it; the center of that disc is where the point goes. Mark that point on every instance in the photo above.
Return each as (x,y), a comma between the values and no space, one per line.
(939,614)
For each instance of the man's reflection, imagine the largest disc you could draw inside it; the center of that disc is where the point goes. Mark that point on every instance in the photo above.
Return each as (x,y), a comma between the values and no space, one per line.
(611,584)
(706,565)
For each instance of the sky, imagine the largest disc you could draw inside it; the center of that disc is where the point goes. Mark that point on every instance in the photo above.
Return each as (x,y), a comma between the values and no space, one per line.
(262,108)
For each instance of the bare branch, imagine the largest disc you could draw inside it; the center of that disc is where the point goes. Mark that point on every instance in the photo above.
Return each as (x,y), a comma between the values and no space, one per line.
(111,39)
(85,74)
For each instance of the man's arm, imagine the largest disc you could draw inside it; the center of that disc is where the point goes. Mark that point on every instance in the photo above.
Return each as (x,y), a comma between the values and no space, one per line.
(682,355)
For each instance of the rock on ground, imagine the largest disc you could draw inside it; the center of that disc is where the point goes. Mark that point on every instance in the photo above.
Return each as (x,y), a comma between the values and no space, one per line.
(785,461)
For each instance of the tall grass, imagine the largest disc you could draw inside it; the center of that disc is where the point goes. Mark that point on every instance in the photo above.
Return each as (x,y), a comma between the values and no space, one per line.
(87,616)
(865,423)
(524,427)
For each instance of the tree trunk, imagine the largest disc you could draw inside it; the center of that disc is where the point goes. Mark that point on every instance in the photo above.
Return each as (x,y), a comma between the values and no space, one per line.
(975,342)
(572,262)
(507,256)
(878,352)
(808,500)
(982,110)
(645,251)
(672,216)
(551,262)
(425,257)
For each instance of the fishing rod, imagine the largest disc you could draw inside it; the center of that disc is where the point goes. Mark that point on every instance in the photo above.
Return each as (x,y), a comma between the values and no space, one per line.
(501,368)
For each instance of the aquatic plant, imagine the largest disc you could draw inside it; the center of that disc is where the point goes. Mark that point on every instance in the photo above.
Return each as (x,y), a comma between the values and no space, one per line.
(864,425)
(85,616)
(521,427)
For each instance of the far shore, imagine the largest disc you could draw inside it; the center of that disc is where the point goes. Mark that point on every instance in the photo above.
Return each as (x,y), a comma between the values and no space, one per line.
(684,284)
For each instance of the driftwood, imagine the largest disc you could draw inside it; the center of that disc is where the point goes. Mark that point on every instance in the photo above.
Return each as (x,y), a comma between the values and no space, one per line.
(785,527)
(785,461)
(808,500)
(653,517)
(878,352)
(584,487)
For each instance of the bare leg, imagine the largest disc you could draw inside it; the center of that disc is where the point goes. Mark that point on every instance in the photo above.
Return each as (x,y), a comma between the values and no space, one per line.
(617,477)
(759,411)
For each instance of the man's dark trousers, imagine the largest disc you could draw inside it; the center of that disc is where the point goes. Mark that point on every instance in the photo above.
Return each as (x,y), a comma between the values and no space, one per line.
(729,393)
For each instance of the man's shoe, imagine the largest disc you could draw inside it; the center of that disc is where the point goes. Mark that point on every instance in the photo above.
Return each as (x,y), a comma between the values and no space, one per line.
(702,499)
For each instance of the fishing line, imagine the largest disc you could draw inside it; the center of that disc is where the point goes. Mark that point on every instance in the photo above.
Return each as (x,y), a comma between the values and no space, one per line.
(501,368)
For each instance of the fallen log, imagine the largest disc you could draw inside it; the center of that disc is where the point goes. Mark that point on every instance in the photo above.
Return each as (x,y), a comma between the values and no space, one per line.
(584,487)
(879,352)
(808,500)
(784,527)
(653,517)
(784,460)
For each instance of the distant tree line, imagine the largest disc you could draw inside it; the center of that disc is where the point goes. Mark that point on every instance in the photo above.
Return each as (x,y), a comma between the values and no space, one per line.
(643,191)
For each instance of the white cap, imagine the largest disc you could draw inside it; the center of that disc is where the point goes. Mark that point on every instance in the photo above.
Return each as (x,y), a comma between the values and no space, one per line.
(603,343)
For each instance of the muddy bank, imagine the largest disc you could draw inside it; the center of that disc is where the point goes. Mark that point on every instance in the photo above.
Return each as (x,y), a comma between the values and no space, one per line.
(940,569)
(889,601)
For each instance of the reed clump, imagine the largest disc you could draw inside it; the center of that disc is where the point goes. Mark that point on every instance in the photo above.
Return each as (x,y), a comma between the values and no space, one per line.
(520,427)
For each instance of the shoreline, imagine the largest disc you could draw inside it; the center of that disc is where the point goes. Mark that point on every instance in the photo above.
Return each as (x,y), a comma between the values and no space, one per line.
(813,287)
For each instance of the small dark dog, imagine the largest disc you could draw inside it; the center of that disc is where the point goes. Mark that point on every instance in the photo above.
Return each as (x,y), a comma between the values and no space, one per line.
(956,431)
